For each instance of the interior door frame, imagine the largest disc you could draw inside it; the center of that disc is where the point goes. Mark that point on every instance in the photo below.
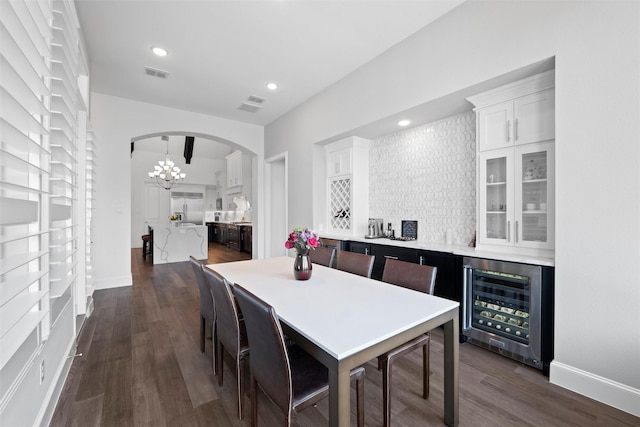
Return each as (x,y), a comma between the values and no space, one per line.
(276,203)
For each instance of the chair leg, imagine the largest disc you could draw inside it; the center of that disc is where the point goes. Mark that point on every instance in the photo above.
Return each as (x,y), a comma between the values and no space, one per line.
(219,362)
(203,323)
(239,379)
(360,401)
(386,393)
(144,250)
(425,371)
(254,401)
(214,348)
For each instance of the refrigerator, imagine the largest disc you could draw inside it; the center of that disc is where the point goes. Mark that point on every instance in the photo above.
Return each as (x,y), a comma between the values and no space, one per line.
(188,206)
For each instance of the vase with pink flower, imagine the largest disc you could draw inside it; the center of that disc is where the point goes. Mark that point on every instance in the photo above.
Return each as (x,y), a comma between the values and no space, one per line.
(302,240)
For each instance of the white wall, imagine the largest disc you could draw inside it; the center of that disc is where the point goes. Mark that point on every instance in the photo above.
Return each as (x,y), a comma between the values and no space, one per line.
(597,55)
(117,120)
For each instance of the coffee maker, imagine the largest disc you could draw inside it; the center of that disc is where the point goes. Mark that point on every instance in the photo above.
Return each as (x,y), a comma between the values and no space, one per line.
(375,229)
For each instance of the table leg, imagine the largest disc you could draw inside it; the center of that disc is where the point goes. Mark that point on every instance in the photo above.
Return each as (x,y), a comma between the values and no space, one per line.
(451,344)
(339,397)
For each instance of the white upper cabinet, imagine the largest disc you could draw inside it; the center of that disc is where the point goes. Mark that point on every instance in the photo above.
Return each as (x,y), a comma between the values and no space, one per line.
(339,162)
(519,113)
(515,133)
(238,174)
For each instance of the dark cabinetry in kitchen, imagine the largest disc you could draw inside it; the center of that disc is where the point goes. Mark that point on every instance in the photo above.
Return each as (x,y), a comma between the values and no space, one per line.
(211,231)
(449,276)
(219,233)
(361,248)
(233,237)
(246,240)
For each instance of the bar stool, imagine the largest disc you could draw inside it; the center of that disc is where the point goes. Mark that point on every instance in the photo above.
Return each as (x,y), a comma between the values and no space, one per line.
(147,246)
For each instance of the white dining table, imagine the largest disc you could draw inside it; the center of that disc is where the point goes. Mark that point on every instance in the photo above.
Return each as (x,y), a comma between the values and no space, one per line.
(345,320)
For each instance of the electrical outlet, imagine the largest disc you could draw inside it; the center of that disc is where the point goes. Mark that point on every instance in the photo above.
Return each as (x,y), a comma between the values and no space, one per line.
(41,372)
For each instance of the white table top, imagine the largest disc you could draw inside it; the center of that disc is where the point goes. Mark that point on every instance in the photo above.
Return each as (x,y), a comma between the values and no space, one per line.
(341,313)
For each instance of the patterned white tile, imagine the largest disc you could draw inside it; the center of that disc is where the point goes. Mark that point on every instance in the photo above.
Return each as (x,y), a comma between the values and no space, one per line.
(428,174)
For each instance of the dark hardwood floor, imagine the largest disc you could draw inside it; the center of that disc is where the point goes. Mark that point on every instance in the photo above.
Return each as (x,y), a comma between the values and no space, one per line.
(141,366)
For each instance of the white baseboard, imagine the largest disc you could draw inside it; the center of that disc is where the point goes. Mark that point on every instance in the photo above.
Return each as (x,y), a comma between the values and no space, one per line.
(113,282)
(603,390)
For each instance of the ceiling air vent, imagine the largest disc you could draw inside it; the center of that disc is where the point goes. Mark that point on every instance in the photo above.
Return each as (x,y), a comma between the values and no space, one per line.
(156,73)
(254,99)
(252,108)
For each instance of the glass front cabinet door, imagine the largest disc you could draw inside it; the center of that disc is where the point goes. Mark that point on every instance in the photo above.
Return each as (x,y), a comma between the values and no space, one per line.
(516,196)
(534,198)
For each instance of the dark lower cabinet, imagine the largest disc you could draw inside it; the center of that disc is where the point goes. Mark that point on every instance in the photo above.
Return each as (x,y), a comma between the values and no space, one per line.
(233,237)
(361,248)
(211,229)
(246,238)
(449,276)
(220,233)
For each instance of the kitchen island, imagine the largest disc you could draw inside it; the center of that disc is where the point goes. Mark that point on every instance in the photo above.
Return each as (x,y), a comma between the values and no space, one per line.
(175,243)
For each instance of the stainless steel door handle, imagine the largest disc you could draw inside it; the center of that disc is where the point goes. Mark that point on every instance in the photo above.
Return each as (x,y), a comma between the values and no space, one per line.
(466,296)
(508,130)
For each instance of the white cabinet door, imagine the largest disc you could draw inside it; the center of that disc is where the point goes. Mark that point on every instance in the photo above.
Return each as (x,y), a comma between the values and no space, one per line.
(516,197)
(339,162)
(234,169)
(534,117)
(495,126)
(524,120)
(534,198)
(495,197)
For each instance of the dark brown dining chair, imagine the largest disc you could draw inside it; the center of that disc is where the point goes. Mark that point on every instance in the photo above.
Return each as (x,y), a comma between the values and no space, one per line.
(322,256)
(421,278)
(207,311)
(356,263)
(232,335)
(288,375)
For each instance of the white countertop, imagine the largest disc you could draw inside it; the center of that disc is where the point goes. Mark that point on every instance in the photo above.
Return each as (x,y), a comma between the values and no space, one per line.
(461,250)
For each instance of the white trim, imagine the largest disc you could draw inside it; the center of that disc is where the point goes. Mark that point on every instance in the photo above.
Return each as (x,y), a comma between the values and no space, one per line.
(268,199)
(114,282)
(603,390)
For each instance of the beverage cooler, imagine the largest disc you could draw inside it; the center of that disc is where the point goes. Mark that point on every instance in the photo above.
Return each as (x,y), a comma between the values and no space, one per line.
(507,308)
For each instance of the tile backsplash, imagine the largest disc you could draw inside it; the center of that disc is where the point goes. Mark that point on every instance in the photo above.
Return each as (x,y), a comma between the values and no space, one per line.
(428,174)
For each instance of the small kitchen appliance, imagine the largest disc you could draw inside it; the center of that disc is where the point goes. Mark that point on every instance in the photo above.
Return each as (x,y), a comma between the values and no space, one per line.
(375,228)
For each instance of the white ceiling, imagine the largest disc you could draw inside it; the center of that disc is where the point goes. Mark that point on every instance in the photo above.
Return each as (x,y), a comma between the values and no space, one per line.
(223,51)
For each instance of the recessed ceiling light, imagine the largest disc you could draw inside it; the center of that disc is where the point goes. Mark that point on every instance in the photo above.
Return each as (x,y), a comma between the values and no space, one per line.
(272,86)
(404,122)
(159,51)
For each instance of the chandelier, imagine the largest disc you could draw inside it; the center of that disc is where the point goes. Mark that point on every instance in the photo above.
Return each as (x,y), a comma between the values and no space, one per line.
(165,173)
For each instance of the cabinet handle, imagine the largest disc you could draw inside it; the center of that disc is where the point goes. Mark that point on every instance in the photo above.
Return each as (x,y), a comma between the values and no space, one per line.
(516,231)
(390,257)
(508,130)
(515,129)
(508,231)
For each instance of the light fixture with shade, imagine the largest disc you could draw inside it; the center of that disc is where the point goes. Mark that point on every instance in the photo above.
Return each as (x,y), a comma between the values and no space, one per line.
(404,122)
(166,174)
